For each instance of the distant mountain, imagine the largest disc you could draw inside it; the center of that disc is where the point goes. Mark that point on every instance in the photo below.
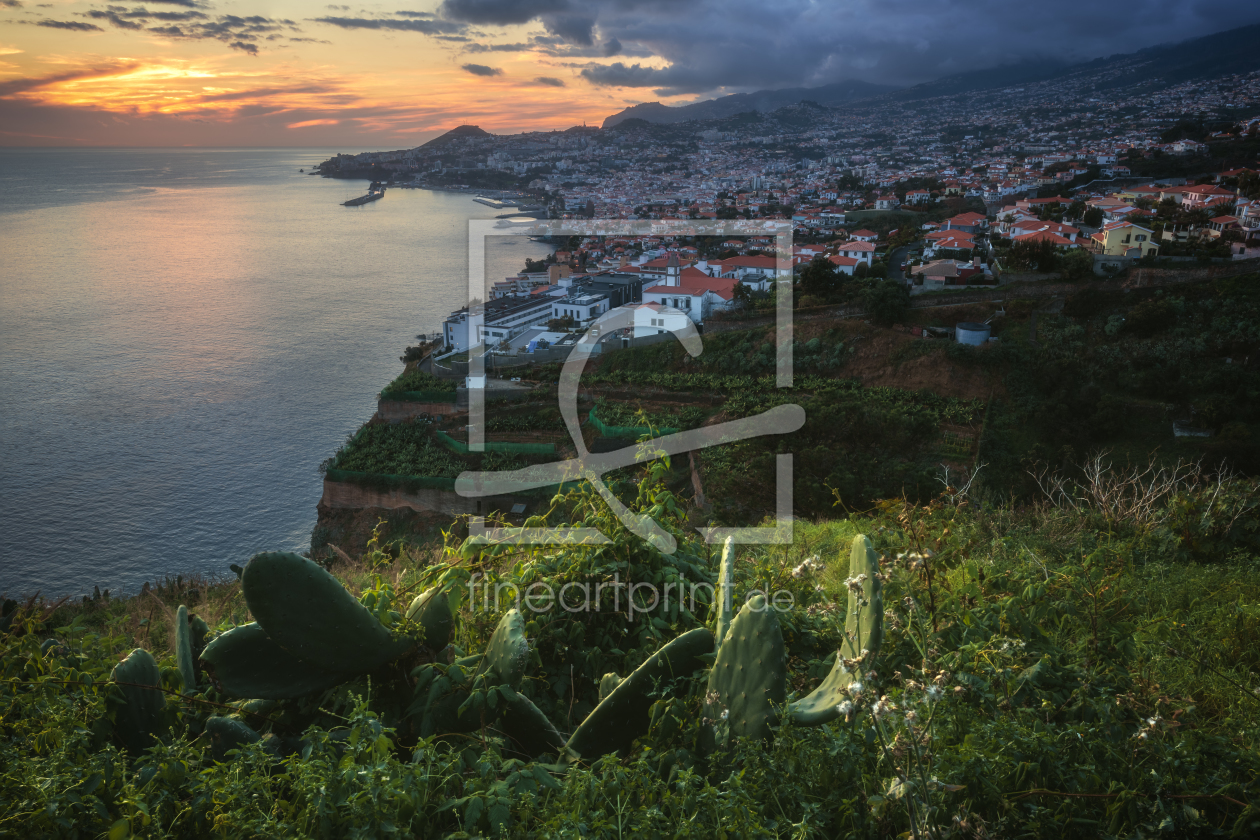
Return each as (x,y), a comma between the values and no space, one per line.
(457,133)
(1160,66)
(1222,54)
(738,103)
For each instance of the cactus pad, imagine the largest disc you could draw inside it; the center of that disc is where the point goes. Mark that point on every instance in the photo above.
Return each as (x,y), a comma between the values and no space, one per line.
(183,650)
(726,581)
(527,729)
(246,663)
(140,719)
(863,630)
(624,714)
(749,676)
(431,611)
(507,653)
(228,734)
(307,612)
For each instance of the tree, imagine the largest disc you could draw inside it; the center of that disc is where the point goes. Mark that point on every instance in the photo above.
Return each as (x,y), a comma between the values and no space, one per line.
(743,295)
(887,301)
(821,278)
(1076,264)
(1093,217)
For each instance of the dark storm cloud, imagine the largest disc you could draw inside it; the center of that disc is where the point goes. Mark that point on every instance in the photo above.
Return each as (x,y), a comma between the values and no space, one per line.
(482,70)
(727,45)
(500,12)
(424,27)
(239,33)
(481,48)
(11,4)
(23,85)
(72,25)
(549,81)
(407,14)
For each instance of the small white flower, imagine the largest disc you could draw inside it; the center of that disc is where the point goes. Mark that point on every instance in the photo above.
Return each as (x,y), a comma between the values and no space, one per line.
(911,716)
(933,693)
(1152,722)
(845,708)
(855,689)
(726,713)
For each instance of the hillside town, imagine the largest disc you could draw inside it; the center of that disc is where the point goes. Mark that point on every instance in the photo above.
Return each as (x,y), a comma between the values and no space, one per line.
(950,191)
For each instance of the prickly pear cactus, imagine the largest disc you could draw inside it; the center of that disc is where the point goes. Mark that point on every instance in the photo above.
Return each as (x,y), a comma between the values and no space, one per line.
(139,721)
(607,684)
(527,729)
(725,585)
(507,653)
(749,676)
(863,633)
(183,650)
(307,612)
(431,611)
(228,734)
(245,662)
(198,630)
(623,715)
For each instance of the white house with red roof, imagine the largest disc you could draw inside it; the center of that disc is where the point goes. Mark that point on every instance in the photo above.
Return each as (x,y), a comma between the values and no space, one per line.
(1030,226)
(654,319)
(756,272)
(948,241)
(845,265)
(967,223)
(1045,236)
(864,235)
(692,291)
(918,197)
(857,250)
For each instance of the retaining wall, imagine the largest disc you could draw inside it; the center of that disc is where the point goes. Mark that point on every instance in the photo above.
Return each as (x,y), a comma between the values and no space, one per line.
(348,495)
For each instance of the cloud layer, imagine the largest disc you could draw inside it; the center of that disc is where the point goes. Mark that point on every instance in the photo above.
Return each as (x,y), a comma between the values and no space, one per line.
(704,46)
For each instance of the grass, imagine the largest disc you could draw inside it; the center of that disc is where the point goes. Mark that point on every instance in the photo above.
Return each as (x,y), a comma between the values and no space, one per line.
(1075,677)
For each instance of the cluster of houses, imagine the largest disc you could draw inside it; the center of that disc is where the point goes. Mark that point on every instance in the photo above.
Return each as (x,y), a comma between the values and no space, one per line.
(661,291)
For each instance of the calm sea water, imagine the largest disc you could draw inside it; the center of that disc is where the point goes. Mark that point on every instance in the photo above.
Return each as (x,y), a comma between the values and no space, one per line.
(184,335)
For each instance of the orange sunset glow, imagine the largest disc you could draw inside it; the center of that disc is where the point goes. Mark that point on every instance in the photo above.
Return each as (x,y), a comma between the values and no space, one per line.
(80,73)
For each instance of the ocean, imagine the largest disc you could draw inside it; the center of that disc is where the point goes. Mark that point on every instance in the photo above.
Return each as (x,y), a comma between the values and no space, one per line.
(185,334)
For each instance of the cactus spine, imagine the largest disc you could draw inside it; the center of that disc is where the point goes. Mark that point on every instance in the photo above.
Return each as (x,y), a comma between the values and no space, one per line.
(863,633)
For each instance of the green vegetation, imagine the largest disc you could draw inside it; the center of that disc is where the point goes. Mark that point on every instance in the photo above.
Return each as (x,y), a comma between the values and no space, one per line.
(1042,673)
(398,449)
(419,385)
(613,413)
(1115,370)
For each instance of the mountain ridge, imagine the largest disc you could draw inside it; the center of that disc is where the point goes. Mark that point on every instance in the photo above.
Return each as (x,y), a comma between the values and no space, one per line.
(1152,68)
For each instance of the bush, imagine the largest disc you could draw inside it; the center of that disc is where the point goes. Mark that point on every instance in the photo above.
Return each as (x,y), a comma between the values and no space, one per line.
(887,301)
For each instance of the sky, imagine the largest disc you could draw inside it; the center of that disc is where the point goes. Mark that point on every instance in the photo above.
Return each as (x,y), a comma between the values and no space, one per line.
(393,75)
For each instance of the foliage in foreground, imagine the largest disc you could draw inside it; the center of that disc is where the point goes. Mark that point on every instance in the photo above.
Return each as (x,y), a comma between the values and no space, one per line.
(1034,681)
